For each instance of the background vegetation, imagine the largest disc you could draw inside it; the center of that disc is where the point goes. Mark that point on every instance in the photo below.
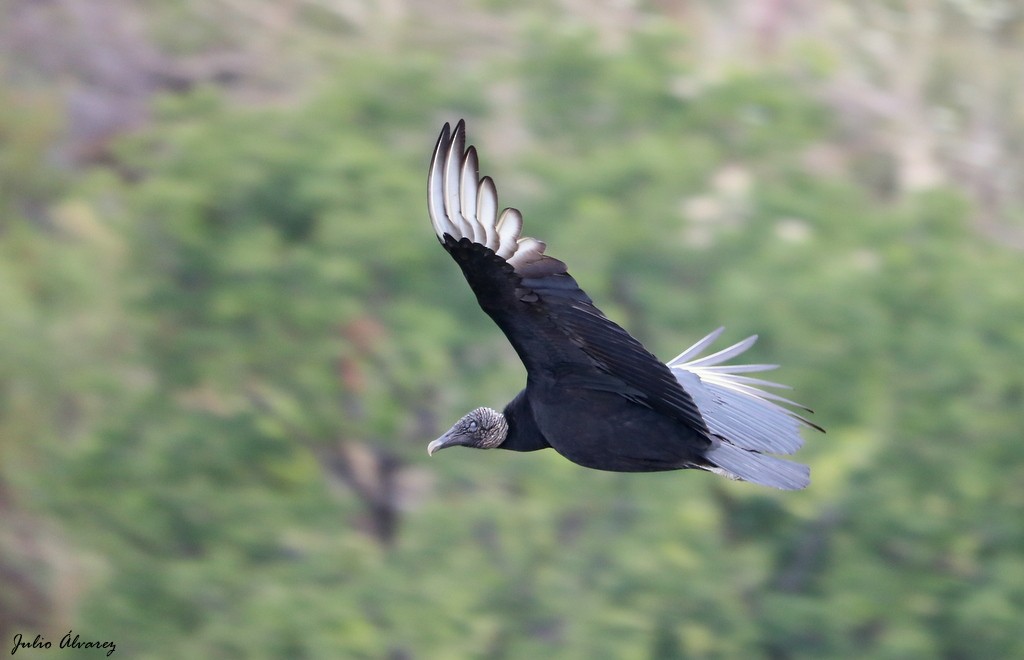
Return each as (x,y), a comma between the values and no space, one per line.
(226,332)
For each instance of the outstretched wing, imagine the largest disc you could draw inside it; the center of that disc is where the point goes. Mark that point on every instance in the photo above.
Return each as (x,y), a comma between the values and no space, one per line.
(550,322)
(748,421)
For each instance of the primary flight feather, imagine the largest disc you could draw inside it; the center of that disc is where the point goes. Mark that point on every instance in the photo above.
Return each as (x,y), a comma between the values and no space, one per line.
(593,393)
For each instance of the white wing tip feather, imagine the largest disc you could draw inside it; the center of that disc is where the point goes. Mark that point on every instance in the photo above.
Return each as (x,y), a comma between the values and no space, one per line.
(465,206)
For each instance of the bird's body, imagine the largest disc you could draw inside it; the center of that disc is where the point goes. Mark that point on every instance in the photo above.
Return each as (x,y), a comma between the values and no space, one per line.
(595,429)
(594,394)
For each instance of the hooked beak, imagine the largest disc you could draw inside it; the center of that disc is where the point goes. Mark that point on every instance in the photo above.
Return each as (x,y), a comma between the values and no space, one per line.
(441,443)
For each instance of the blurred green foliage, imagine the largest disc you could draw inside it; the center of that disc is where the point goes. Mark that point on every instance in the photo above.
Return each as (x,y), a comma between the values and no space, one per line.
(223,352)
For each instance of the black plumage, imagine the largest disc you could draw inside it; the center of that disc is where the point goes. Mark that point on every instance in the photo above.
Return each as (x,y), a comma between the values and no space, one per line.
(593,393)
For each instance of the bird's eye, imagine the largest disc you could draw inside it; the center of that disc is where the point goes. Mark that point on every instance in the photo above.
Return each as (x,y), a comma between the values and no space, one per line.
(473,426)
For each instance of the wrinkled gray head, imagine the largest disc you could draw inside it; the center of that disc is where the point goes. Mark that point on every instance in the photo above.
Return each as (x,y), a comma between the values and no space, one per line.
(483,428)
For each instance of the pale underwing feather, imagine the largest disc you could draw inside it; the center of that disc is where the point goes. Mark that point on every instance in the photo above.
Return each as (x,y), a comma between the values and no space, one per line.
(509,227)
(487,207)
(528,250)
(469,174)
(435,191)
(463,205)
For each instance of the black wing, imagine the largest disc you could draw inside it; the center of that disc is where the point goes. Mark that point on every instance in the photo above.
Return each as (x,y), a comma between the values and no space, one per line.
(552,324)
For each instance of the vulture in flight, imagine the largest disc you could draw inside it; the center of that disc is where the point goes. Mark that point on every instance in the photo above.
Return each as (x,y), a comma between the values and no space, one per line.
(593,393)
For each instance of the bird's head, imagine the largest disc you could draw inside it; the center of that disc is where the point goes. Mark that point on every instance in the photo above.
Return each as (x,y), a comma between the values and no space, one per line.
(483,428)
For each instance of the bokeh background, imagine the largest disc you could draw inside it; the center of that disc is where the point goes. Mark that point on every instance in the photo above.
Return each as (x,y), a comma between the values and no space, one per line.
(227,332)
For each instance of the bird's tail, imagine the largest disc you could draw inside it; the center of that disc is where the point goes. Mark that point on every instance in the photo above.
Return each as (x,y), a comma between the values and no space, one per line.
(747,421)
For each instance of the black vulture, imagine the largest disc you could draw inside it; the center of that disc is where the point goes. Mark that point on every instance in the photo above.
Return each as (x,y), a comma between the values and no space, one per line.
(593,393)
